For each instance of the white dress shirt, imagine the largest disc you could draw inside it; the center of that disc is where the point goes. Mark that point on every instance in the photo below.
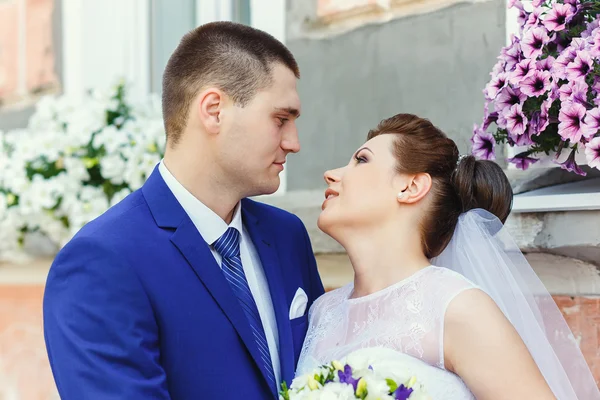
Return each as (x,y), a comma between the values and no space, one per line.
(212,227)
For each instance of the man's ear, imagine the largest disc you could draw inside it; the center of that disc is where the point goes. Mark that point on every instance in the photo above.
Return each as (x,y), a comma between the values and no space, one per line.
(209,109)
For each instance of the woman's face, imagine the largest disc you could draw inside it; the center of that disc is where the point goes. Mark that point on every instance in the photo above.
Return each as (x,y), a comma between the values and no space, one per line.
(365,191)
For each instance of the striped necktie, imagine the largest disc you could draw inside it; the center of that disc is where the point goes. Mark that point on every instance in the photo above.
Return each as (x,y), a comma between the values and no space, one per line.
(228,246)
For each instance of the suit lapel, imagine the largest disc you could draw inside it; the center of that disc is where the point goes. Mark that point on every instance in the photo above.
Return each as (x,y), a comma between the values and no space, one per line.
(265,246)
(198,254)
(168,214)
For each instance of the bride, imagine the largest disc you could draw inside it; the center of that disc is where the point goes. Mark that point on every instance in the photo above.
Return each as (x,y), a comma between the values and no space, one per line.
(438,282)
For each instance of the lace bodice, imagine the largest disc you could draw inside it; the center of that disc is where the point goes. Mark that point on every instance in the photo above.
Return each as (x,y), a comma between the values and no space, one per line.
(407,317)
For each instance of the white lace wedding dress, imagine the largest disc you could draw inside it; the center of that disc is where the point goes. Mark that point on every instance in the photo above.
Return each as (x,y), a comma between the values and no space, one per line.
(406,318)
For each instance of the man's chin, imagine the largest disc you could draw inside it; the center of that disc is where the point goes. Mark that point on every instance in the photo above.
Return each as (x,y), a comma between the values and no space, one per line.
(266,188)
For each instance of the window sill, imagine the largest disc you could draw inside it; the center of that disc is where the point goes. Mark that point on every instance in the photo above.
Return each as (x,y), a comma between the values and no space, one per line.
(574,196)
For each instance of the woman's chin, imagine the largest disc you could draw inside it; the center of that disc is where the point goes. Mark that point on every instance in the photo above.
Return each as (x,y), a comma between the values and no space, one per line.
(324,222)
(328,223)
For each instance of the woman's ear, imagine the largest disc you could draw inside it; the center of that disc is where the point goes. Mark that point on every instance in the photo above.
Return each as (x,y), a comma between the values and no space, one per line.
(418,187)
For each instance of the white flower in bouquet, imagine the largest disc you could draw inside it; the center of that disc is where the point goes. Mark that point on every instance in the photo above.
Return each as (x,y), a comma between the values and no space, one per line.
(42,194)
(111,139)
(89,117)
(149,161)
(52,227)
(76,171)
(111,168)
(360,376)
(332,391)
(15,179)
(76,158)
(22,146)
(10,234)
(3,203)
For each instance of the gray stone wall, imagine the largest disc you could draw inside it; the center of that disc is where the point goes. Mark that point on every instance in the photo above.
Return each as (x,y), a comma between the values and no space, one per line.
(434,65)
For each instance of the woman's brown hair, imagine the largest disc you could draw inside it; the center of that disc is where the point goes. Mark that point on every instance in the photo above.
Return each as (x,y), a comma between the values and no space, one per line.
(458,186)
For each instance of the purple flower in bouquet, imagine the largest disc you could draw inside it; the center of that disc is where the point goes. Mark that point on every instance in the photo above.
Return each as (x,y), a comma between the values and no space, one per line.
(533,19)
(571,126)
(540,119)
(498,68)
(545,64)
(592,123)
(497,83)
(559,67)
(537,84)
(522,161)
(575,4)
(592,153)
(539,122)
(580,67)
(501,121)
(522,19)
(483,144)
(522,70)
(519,140)
(515,3)
(509,97)
(516,121)
(346,377)
(596,84)
(594,45)
(511,54)
(402,393)
(558,17)
(596,90)
(591,27)
(491,117)
(577,44)
(537,3)
(575,91)
(534,41)
(570,164)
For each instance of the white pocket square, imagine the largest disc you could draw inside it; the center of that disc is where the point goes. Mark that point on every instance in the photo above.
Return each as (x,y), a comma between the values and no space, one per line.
(298,306)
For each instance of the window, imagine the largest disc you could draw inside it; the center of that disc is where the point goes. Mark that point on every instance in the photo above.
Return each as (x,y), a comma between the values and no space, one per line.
(29,56)
(171,19)
(362,11)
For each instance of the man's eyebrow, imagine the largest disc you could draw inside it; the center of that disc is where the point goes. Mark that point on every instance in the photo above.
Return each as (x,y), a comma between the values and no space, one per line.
(290,110)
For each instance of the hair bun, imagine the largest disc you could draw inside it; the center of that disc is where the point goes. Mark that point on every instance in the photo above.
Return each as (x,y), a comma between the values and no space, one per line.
(482,184)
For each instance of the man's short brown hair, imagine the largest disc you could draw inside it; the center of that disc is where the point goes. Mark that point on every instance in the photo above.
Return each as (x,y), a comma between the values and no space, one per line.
(235,58)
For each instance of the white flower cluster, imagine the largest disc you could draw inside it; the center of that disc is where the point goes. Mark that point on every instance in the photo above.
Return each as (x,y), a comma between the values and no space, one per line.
(363,375)
(74,160)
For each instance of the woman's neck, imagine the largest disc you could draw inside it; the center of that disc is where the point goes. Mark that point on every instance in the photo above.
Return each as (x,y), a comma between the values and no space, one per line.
(383,258)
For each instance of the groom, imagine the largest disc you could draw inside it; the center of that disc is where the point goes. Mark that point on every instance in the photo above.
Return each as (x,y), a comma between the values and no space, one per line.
(187,289)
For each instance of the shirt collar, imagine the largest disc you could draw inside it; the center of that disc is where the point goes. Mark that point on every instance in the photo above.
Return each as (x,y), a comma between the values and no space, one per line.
(208,223)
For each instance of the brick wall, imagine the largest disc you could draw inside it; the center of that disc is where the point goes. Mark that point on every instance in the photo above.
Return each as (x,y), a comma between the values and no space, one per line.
(24,368)
(583,316)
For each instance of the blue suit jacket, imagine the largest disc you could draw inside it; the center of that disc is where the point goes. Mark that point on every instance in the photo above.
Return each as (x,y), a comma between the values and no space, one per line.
(136,307)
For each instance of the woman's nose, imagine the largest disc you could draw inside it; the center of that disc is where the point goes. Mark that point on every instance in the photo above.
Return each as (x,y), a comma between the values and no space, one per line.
(332,176)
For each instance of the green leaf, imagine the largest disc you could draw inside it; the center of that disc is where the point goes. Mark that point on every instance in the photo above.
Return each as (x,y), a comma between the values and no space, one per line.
(392,385)
(284,392)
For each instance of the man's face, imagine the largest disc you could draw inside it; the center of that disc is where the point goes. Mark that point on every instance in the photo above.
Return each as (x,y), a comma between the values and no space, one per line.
(255,139)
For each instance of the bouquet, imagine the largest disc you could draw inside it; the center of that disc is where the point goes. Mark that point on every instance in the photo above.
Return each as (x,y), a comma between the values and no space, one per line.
(354,379)
(545,87)
(74,160)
